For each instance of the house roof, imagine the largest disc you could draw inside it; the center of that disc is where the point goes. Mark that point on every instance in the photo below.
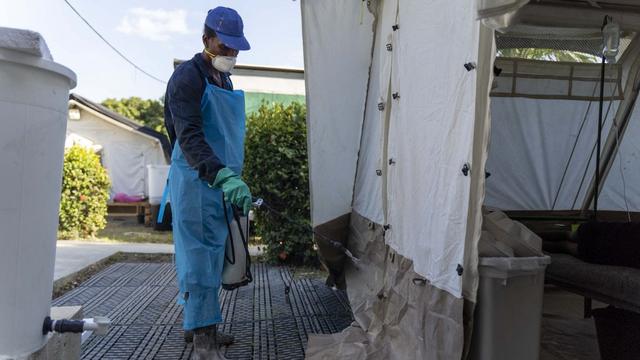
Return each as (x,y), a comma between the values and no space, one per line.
(280,69)
(164,141)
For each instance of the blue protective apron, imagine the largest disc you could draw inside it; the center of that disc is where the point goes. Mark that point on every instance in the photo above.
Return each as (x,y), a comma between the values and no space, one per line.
(199,226)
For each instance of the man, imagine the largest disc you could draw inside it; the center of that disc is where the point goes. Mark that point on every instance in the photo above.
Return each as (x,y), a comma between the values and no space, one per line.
(205,121)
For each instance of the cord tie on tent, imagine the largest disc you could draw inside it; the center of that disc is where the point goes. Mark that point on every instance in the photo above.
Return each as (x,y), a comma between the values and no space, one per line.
(459,270)
(386,227)
(419,281)
(470,66)
(395,27)
(381,106)
(379,172)
(389,47)
(392,162)
(465,169)
(395,96)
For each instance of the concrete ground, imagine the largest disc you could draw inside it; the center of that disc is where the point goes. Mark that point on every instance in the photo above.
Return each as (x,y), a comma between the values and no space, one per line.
(566,335)
(73,256)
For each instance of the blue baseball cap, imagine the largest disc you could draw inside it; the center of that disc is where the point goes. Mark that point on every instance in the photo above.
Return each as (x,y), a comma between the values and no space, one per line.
(228,26)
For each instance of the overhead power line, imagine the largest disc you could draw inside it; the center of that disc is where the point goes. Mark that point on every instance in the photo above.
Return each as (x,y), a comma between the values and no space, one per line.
(113,47)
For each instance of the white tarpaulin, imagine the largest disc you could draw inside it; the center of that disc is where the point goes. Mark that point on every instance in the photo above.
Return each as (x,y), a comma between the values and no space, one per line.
(431,136)
(621,190)
(539,152)
(337,49)
(125,163)
(368,196)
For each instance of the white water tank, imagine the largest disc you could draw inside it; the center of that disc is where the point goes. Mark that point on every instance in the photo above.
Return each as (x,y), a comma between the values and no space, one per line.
(34,95)
(156,181)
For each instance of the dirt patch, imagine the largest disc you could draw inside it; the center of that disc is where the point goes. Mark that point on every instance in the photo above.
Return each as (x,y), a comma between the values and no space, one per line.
(308,272)
(127,229)
(72,281)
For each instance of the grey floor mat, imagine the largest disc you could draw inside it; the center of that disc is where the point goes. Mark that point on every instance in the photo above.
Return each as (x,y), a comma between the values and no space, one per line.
(267,321)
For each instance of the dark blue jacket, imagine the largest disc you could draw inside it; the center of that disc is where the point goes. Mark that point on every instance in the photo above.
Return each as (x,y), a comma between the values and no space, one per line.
(183,119)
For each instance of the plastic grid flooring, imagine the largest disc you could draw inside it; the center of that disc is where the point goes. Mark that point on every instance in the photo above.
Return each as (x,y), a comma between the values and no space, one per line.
(140,299)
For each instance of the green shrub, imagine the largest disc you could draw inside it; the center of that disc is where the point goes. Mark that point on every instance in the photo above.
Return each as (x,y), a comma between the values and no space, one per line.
(85,192)
(276,170)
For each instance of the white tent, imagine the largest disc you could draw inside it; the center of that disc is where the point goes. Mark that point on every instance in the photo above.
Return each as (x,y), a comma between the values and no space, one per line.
(398,96)
(125,147)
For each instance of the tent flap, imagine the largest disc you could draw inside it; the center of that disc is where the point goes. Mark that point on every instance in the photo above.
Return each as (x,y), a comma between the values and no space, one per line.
(399,314)
(337,86)
(368,197)
(431,137)
(542,152)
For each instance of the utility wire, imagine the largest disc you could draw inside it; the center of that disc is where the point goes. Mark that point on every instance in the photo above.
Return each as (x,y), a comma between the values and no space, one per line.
(113,47)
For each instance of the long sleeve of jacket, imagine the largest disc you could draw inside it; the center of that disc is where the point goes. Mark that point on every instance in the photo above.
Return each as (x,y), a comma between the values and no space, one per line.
(182,101)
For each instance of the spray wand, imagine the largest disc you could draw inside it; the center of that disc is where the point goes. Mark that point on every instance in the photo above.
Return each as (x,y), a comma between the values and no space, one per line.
(259,203)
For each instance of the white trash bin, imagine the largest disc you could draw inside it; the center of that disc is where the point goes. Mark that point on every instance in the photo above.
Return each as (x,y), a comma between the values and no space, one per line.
(508,313)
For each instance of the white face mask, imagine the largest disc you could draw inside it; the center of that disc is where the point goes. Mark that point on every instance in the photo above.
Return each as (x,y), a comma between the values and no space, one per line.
(223,63)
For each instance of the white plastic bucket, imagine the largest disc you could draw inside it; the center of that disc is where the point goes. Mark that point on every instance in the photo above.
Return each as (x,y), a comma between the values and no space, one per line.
(157,180)
(34,96)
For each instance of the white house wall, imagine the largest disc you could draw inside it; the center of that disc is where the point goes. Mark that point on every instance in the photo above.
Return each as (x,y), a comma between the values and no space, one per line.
(264,84)
(125,153)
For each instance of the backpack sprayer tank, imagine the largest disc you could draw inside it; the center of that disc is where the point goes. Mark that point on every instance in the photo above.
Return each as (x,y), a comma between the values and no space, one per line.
(237,262)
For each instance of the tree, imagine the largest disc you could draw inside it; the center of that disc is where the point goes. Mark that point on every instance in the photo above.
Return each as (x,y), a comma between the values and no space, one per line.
(85,191)
(276,169)
(147,112)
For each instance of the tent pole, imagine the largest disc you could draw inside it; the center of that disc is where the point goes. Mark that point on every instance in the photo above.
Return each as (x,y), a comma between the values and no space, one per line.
(598,151)
(610,148)
(597,189)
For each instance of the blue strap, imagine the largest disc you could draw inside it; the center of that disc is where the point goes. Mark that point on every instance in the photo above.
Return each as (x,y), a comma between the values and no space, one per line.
(165,197)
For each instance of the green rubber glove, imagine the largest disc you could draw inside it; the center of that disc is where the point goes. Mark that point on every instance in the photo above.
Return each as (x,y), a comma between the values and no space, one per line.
(234,189)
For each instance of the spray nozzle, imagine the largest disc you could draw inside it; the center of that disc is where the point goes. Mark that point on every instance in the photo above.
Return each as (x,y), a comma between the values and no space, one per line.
(258,202)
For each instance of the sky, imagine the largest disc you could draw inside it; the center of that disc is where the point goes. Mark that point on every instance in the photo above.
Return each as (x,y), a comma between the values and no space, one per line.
(151,34)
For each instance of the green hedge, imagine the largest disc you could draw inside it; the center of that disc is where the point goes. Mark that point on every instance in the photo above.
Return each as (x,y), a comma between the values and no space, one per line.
(276,170)
(85,192)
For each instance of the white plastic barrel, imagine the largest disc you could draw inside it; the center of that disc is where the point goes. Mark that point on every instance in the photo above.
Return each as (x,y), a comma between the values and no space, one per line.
(34,95)
(157,179)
